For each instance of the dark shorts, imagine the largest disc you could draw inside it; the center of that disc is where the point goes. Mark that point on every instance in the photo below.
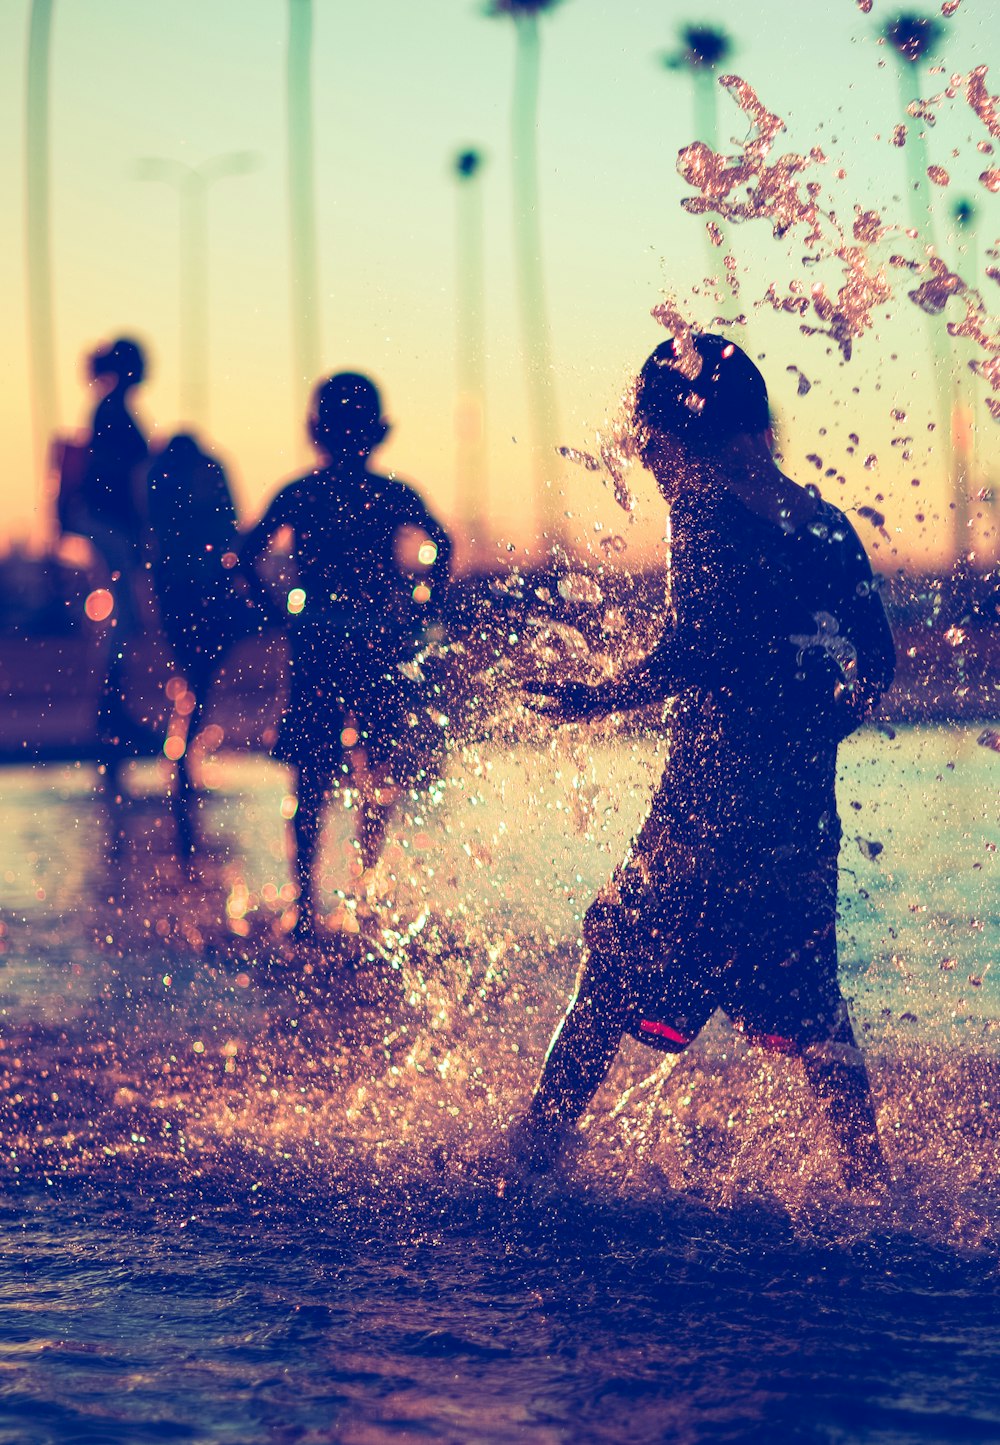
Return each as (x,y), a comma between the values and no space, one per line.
(759,943)
(348,693)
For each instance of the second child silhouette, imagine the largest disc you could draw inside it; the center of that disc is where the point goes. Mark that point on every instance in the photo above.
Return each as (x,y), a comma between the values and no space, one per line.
(203,602)
(354,616)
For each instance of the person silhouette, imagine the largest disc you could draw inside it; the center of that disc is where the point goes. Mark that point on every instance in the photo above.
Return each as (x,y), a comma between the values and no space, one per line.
(358,542)
(203,602)
(778,648)
(109,506)
(103,499)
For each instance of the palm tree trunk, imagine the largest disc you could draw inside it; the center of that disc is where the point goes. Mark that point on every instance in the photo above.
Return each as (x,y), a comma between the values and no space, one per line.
(706,129)
(302,199)
(530,277)
(41,340)
(706,120)
(942,360)
(471,368)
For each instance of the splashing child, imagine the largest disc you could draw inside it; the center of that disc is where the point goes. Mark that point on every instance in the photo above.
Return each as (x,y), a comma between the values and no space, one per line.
(777,648)
(355,617)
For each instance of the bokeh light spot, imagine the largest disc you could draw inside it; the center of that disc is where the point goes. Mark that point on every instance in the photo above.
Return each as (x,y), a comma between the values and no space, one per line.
(99,605)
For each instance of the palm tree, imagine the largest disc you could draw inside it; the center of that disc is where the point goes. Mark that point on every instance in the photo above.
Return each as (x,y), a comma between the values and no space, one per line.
(470,369)
(41,340)
(302,200)
(528,253)
(913,38)
(703,49)
(965,426)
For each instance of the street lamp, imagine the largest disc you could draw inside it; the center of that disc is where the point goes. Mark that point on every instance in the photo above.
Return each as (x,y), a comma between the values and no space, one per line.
(191,184)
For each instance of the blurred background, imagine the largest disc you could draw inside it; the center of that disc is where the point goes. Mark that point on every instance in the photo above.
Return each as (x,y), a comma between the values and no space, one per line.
(480,206)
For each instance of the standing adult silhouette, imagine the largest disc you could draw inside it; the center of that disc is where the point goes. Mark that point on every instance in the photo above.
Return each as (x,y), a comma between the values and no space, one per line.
(369,567)
(778,648)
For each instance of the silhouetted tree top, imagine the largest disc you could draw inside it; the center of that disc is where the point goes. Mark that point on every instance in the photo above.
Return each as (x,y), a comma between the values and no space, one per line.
(704,48)
(518,8)
(468,163)
(913,36)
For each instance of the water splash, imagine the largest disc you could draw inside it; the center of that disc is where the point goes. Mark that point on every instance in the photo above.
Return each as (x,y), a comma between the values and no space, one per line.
(786,192)
(671,315)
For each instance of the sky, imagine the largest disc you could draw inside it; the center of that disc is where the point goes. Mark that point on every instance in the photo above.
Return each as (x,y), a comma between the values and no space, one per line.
(399,88)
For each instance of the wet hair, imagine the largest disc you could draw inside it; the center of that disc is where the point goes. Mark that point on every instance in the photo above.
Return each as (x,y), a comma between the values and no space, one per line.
(728,397)
(346,414)
(124,359)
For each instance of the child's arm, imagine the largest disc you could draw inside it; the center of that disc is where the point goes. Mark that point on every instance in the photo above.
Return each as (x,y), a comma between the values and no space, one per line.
(699,649)
(660,675)
(252,547)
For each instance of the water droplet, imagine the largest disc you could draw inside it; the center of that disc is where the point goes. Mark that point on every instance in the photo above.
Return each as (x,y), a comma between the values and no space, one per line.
(580,459)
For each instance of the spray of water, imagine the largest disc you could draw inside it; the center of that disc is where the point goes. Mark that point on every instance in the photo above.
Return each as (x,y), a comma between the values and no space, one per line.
(787,192)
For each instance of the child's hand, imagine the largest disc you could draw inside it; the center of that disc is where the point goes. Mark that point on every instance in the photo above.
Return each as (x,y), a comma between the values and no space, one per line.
(567,701)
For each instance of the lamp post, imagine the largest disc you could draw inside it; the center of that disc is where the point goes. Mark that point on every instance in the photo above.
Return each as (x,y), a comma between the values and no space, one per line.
(192,185)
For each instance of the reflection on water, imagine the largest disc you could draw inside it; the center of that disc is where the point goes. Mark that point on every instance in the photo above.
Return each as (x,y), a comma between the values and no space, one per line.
(226,1215)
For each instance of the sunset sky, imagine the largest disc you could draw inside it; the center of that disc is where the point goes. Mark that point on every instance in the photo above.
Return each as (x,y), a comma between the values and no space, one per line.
(400,87)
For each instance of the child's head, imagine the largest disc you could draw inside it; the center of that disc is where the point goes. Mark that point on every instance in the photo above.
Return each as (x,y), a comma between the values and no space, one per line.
(700,417)
(123,363)
(345,418)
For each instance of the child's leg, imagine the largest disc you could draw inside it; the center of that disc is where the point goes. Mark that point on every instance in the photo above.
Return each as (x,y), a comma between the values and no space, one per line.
(311,797)
(582,1051)
(376,803)
(836,1070)
(790,929)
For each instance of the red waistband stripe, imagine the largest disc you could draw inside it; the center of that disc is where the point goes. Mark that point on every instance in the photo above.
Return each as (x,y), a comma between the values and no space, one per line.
(662,1031)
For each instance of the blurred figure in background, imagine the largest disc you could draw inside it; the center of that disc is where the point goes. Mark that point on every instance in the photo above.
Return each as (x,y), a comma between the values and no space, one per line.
(359,543)
(102,498)
(203,601)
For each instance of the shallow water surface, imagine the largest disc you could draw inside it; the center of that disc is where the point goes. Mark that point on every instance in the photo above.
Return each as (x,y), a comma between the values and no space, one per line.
(236,1206)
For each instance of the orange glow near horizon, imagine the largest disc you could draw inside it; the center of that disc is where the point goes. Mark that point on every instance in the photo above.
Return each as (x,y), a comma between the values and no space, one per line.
(615,241)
